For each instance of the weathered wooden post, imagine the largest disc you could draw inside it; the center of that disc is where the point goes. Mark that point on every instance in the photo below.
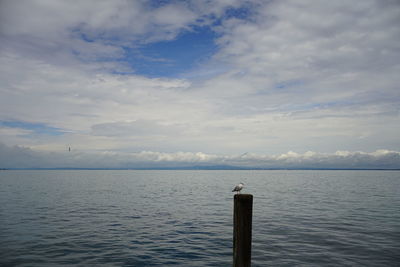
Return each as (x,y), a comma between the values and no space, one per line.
(242,220)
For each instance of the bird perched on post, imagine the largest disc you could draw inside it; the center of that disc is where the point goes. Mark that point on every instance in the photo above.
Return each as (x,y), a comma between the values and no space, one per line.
(238,188)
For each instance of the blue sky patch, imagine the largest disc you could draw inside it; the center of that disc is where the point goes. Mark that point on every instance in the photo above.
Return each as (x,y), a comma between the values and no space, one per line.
(245,12)
(37,128)
(288,84)
(172,58)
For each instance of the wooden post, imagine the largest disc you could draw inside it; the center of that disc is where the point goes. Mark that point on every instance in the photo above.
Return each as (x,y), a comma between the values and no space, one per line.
(242,220)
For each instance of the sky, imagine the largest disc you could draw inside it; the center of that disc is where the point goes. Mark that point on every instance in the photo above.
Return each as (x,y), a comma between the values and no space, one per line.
(148,84)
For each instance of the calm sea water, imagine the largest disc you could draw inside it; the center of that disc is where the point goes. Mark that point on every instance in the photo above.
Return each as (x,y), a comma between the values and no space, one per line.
(184,218)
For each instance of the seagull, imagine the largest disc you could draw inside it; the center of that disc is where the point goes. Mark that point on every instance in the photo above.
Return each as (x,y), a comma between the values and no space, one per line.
(238,188)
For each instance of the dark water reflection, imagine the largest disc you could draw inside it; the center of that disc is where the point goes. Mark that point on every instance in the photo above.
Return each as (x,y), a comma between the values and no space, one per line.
(184,218)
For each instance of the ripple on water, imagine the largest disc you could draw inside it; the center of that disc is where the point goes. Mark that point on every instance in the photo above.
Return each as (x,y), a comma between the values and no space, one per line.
(184,218)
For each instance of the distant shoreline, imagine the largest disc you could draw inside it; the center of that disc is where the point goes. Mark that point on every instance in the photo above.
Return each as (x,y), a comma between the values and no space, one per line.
(205,169)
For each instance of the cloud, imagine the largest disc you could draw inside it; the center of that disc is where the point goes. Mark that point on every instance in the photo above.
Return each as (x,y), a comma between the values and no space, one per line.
(286,75)
(135,128)
(20,157)
(319,70)
(63,32)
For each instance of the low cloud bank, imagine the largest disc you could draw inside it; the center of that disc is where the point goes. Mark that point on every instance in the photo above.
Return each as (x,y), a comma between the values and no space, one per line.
(22,157)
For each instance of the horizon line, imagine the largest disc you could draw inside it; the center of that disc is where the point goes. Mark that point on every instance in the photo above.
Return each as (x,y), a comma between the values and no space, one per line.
(210,169)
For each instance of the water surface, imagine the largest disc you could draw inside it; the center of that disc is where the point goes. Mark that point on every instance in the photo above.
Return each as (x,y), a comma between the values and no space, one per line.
(184,218)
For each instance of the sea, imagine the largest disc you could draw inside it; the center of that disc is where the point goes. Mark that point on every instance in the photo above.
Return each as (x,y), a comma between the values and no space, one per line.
(185,217)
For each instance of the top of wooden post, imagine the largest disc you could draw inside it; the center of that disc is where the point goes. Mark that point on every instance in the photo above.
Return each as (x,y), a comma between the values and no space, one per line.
(243,197)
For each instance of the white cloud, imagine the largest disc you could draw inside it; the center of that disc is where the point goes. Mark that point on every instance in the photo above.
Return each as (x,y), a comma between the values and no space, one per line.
(322,74)
(301,76)
(19,157)
(136,128)
(57,31)
(14,135)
